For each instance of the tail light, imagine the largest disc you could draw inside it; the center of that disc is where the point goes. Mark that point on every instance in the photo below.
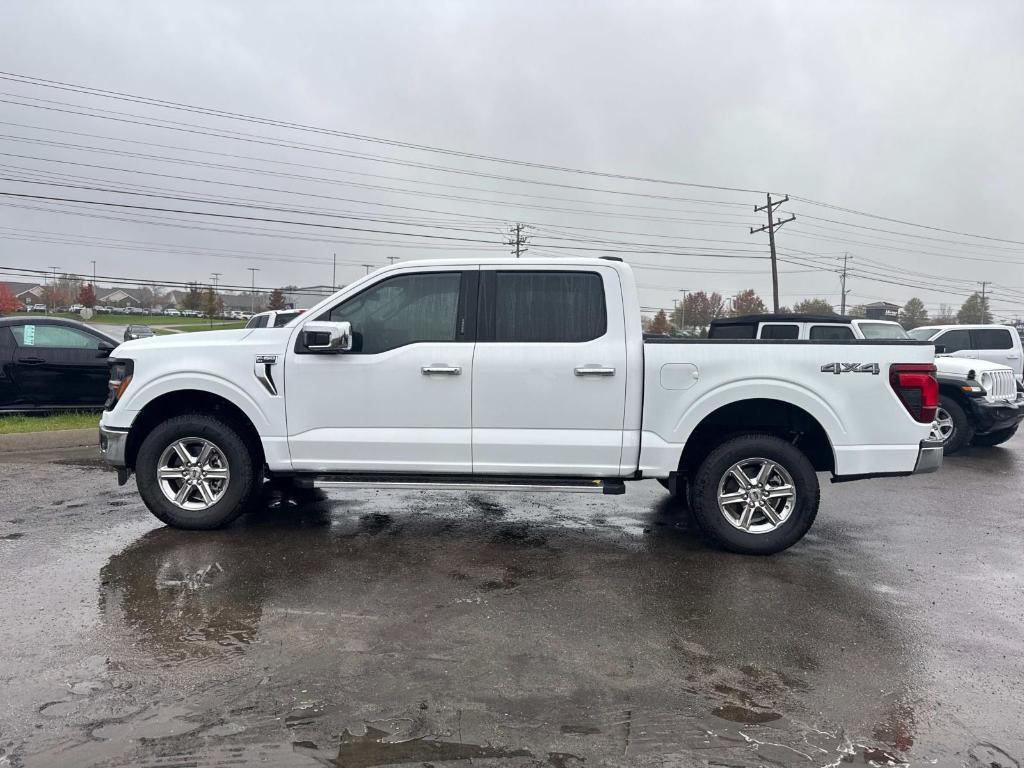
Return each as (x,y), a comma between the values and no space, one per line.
(916,387)
(120,377)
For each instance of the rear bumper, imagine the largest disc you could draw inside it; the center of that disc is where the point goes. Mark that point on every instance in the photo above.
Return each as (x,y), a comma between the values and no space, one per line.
(992,417)
(929,457)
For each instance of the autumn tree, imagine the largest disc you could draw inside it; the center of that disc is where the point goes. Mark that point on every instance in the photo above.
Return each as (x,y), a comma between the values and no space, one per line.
(698,310)
(8,301)
(975,310)
(87,295)
(913,314)
(748,303)
(276,300)
(212,304)
(659,325)
(813,307)
(945,316)
(193,298)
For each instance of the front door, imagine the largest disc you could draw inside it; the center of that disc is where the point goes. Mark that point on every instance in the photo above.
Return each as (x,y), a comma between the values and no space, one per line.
(57,365)
(957,343)
(549,376)
(400,401)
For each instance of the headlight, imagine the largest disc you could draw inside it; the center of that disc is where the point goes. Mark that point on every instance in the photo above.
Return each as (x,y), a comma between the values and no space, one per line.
(120,377)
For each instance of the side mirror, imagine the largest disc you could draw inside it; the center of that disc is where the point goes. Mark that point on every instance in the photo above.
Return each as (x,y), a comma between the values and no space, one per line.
(327,337)
(105,348)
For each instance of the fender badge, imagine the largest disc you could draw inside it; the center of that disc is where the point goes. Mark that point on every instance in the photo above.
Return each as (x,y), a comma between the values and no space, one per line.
(266,359)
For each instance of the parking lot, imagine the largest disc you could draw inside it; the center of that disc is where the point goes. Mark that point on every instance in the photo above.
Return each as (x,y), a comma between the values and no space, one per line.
(376,628)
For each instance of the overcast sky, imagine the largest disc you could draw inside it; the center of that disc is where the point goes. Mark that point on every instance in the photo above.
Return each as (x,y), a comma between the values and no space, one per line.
(913,111)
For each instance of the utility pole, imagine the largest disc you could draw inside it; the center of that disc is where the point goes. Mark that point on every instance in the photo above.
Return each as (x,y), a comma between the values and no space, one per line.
(392,259)
(334,271)
(842,281)
(517,239)
(52,298)
(368,267)
(682,309)
(216,284)
(771,226)
(252,292)
(94,274)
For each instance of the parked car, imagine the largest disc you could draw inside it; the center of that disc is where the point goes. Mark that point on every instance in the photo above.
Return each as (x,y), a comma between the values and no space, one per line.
(274,318)
(994,343)
(137,332)
(525,374)
(172,312)
(48,363)
(980,402)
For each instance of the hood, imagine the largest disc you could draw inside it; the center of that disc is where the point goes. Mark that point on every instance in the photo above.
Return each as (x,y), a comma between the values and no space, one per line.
(188,339)
(961,366)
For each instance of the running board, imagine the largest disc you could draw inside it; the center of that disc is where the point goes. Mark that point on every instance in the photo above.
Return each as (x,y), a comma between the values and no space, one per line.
(611,486)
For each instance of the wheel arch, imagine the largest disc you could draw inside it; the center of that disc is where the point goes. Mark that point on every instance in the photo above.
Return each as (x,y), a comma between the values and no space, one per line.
(765,416)
(184,401)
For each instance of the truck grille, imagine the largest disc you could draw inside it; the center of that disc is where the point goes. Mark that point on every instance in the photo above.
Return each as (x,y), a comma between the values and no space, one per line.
(1000,385)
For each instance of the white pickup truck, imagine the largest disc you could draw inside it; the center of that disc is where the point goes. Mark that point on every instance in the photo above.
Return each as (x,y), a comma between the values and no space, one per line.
(517,374)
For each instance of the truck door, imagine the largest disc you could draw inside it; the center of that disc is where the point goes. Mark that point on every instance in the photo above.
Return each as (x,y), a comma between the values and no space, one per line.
(957,343)
(399,401)
(996,346)
(549,374)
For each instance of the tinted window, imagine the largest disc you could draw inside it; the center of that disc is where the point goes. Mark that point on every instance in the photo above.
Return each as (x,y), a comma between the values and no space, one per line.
(401,310)
(922,334)
(954,341)
(780,331)
(258,321)
(991,338)
(882,331)
(283,318)
(549,306)
(53,337)
(732,331)
(831,333)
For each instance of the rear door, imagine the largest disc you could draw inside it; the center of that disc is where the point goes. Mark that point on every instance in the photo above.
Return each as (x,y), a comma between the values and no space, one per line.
(549,374)
(55,365)
(996,345)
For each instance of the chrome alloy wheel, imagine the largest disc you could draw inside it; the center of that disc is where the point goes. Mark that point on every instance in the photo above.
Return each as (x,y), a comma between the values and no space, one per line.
(942,427)
(756,495)
(193,473)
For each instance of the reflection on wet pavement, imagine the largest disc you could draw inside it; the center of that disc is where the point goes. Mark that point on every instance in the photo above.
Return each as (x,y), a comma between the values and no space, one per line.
(454,629)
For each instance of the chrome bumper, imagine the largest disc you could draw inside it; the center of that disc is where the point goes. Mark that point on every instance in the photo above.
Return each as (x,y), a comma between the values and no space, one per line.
(929,457)
(113,445)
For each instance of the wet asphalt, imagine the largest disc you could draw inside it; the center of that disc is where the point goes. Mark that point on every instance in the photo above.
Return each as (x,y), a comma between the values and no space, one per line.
(366,628)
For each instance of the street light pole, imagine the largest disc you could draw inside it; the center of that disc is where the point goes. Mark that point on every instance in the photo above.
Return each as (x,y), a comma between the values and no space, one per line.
(252,294)
(682,309)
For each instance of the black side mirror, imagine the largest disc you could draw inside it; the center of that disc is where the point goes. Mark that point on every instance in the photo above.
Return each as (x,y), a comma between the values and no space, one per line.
(105,348)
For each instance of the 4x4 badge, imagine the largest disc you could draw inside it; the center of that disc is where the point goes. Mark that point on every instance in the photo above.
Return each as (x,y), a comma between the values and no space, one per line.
(838,368)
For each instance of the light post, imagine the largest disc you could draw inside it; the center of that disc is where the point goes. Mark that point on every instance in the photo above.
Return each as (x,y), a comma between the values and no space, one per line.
(252,294)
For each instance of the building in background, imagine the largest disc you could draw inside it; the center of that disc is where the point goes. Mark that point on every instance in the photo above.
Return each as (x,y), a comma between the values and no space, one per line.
(882,310)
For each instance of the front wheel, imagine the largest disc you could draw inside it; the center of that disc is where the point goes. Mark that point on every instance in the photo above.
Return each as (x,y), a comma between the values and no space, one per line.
(194,471)
(998,437)
(755,494)
(951,425)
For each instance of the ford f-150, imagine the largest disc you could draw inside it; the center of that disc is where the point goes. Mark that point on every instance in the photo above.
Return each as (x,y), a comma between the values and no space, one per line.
(514,374)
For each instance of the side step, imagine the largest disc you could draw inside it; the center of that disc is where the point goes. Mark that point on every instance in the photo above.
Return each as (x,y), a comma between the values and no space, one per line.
(611,486)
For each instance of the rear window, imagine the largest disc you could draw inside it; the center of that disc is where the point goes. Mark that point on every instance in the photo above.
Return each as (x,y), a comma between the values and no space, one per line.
(991,338)
(882,331)
(259,321)
(831,333)
(922,334)
(547,306)
(283,318)
(733,331)
(780,331)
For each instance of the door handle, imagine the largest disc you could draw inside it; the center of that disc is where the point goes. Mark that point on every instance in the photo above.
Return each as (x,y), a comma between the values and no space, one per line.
(445,370)
(594,370)
(31,360)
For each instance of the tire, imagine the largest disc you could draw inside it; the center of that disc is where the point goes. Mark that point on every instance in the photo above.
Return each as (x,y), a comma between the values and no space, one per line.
(211,500)
(951,425)
(784,465)
(998,437)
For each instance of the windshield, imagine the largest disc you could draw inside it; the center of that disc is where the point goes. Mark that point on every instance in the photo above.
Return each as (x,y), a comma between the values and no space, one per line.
(882,331)
(923,334)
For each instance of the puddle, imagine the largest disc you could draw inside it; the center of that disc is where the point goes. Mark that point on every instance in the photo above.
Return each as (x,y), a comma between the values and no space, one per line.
(736,714)
(12,536)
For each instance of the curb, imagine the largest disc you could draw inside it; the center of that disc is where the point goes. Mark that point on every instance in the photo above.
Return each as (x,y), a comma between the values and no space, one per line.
(61,438)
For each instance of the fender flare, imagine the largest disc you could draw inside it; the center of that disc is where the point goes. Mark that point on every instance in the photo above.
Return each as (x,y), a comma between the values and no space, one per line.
(201,382)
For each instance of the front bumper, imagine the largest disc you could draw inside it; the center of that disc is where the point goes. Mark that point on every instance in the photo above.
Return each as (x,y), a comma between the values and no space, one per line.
(929,457)
(991,416)
(113,450)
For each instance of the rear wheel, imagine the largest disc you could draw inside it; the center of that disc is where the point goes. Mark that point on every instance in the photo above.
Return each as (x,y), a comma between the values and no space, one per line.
(755,494)
(195,471)
(951,425)
(998,437)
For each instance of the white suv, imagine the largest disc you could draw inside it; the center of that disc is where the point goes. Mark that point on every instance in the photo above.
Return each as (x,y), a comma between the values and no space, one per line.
(994,343)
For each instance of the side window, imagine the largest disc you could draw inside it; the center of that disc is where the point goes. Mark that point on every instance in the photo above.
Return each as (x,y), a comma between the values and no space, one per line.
(283,318)
(831,333)
(780,331)
(732,331)
(53,337)
(546,306)
(954,341)
(401,310)
(991,338)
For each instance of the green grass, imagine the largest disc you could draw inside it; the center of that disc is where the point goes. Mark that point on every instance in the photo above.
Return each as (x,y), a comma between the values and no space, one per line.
(120,319)
(16,423)
(217,326)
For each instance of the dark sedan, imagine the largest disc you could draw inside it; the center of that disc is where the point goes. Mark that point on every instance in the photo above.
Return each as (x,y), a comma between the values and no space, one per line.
(137,332)
(47,363)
